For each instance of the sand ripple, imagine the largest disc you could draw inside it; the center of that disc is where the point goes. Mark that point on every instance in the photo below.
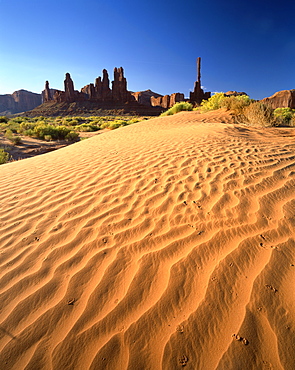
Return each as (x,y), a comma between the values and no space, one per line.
(162,245)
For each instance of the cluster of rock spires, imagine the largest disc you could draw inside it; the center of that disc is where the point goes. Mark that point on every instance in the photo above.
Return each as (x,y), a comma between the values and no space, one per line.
(100,95)
(101,92)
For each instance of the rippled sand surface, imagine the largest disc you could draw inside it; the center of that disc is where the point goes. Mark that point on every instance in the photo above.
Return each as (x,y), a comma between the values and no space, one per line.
(167,244)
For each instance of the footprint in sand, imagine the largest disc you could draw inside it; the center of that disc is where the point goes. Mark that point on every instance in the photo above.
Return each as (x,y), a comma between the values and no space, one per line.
(183,360)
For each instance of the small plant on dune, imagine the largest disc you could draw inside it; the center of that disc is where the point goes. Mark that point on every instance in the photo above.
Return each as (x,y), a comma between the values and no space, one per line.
(178,107)
(259,114)
(4,156)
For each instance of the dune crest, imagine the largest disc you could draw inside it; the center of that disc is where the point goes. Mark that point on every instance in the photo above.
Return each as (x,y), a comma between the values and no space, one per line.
(161,245)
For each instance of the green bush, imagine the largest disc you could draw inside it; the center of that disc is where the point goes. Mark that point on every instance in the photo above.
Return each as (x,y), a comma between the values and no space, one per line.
(56,132)
(13,126)
(284,116)
(4,156)
(214,102)
(72,136)
(86,128)
(3,119)
(16,140)
(178,107)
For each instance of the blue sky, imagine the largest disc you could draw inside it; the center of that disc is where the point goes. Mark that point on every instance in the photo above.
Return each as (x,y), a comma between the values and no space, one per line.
(245,46)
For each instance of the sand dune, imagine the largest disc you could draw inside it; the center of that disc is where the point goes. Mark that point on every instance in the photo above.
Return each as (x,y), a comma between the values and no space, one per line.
(162,245)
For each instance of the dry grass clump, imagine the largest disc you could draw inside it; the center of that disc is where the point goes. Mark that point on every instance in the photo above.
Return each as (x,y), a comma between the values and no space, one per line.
(258,114)
(236,103)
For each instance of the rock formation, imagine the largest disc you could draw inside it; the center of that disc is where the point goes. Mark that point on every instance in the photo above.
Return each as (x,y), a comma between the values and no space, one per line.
(106,93)
(100,91)
(198,94)
(167,101)
(69,88)
(19,101)
(234,93)
(281,99)
(144,97)
(175,98)
(119,86)
(89,90)
(47,93)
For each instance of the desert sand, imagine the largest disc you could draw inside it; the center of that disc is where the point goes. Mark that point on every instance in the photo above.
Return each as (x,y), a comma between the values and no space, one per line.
(166,244)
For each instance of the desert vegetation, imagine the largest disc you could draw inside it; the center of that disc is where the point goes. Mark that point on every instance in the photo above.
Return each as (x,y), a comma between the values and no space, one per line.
(4,156)
(58,128)
(249,111)
(178,107)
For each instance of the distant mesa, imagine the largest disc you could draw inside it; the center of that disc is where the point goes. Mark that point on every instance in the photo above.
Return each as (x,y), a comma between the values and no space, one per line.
(235,93)
(281,99)
(19,101)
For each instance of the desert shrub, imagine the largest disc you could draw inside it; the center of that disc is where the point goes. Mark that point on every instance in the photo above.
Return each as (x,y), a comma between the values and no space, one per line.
(133,120)
(4,156)
(72,136)
(178,107)
(8,134)
(24,126)
(105,124)
(47,137)
(259,114)
(236,103)
(3,119)
(56,132)
(114,125)
(87,128)
(13,126)
(16,140)
(214,102)
(18,119)
(284,116)
(292,121)
(29,132)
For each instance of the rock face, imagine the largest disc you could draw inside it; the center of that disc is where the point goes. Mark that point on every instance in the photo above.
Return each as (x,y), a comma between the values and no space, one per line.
(198,94)
(281,99)
(167,101)
(144,97)
(19,101)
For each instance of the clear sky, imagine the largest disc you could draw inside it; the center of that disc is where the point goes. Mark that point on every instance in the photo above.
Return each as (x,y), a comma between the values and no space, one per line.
(244,45)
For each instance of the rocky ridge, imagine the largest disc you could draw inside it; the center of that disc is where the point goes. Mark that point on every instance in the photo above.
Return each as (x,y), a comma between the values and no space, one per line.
(19,101)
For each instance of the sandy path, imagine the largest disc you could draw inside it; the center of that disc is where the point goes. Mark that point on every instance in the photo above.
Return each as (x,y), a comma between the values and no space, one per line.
(170,235)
